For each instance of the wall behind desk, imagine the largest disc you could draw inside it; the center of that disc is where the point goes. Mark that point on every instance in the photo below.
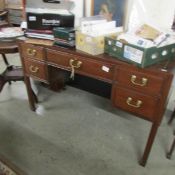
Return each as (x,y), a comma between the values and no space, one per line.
(160,12)
(156,12)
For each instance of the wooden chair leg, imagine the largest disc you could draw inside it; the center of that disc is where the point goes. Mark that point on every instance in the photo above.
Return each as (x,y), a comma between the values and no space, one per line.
(169,154)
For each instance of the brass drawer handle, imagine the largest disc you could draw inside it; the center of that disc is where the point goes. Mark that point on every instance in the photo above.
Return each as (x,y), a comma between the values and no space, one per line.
(137,105)
(75,63)
(143,82)
(34,69)
(31,52)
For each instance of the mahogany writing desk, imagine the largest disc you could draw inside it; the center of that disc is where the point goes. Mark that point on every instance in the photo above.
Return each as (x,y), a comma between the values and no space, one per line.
(142,92)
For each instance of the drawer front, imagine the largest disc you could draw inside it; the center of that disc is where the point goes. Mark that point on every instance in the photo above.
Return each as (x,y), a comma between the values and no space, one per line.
(141,81)
(31,51)
(134,102)
(36,69)
(86,66)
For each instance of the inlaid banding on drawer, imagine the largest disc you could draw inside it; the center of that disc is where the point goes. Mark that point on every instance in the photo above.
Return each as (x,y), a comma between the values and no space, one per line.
(142,82)
(88,67)
(137,103)
(36,69)
(35,52)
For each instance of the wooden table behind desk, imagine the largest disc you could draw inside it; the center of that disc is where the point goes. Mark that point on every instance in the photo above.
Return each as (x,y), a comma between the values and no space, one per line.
(8,47)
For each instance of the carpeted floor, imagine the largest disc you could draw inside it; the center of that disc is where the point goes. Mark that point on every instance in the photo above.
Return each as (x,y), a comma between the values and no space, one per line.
(7,168)
(77,133)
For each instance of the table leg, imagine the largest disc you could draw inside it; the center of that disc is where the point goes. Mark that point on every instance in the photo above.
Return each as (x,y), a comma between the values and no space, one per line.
(32,97)
(2,82)
(6,63)
(169,154)
(150,141)
(5,59)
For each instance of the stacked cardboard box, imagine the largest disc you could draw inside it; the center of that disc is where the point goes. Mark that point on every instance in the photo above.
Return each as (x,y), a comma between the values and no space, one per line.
(90,37)
(2,5)
(13,4)
(15,11)
(42,17)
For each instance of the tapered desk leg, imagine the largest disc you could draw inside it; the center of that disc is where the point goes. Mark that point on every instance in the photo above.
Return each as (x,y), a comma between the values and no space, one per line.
(32,97)
(169,154)
(171,118)
(150,141)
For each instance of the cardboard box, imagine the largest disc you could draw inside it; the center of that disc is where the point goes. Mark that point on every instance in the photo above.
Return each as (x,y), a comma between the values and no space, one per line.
(13,4)
(46,21)
(64,4)
(15,16)
(2,5)
(89,44)
(142,57)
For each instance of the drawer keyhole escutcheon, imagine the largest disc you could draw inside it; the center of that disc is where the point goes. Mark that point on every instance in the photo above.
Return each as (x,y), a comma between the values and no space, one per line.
(137,105)
(144,81)
(74,64)
(31,52)
(33,69)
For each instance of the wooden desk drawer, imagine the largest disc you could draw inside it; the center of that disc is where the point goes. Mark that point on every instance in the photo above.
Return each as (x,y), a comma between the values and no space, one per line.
(141,81)
(89,67)
(31,51)
(137,103)
(36,69)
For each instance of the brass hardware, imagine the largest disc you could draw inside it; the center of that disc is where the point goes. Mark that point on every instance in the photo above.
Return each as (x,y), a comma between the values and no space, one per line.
(31,52)
(137,105)
(33,69)
(75,63)
(143,82)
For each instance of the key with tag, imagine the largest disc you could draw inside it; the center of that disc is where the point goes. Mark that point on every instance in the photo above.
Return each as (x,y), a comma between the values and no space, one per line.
(74,64)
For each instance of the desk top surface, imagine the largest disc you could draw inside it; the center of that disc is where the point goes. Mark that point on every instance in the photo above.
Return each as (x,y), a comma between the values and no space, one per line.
(163,66)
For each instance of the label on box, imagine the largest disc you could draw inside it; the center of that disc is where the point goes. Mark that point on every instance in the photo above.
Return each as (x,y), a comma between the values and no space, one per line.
(119,44)
(109,42)
(133,54)
(32,18)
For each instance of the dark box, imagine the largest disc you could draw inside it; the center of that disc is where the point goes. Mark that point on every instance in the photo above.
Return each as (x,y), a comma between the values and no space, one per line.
(46,21)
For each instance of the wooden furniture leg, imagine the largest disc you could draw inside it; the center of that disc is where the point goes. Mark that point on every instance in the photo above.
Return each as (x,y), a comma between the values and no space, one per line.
(12,73)
(6,62)
(150,141)
(2,82)
(31,96)
(171,118)
(35,97)
(169,154)
(5,59)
